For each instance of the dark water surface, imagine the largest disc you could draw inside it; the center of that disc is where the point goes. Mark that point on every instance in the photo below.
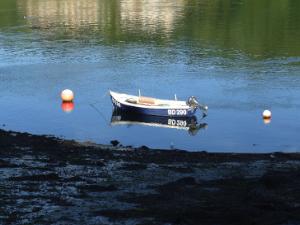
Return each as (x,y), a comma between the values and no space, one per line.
(238,56)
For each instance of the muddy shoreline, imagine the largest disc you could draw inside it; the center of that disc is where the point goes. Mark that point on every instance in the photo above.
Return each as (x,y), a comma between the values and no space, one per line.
(45,180)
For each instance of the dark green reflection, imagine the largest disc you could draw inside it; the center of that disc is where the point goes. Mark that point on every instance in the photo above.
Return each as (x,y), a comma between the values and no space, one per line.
(259,28)
(8,15)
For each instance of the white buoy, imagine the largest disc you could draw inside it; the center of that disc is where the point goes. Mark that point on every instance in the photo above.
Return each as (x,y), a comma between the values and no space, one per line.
(267,114)
(67,95)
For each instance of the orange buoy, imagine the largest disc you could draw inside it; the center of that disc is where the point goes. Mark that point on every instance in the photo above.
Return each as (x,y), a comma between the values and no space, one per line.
(67,95)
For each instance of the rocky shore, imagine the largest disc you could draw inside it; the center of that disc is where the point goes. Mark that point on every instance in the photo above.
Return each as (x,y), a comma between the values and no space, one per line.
(45,180)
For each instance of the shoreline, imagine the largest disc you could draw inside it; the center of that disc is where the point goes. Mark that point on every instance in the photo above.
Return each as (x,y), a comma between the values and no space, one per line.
(49,180)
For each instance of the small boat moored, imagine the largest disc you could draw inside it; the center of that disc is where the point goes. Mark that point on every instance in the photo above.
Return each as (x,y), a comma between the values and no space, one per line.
(156,107)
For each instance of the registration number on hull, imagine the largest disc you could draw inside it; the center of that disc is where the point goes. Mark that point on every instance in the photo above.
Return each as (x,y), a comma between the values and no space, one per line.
(177,112)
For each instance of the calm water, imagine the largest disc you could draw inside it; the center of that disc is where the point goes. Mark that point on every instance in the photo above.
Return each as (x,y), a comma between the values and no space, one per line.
(238,56)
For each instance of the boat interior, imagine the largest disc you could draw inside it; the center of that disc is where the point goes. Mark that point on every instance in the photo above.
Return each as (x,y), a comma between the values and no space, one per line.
(141,100)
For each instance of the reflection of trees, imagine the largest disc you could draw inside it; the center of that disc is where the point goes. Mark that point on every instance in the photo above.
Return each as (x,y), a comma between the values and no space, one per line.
(7,18)
(151,16)
(256,26)
(132,16)
(72,13)
(73,18)
(262,27)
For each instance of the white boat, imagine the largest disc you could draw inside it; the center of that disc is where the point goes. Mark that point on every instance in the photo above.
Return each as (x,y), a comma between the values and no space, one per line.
(156,107)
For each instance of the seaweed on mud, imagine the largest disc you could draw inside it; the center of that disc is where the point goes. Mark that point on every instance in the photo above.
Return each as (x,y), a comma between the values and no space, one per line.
(46,180)
(134,166)
(39,177)
(97,188)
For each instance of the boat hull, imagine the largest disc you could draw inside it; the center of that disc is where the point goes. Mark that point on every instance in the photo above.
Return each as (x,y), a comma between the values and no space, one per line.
(171,112)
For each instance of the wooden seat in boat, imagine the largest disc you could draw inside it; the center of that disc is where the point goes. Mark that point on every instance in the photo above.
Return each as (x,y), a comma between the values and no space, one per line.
(146,101)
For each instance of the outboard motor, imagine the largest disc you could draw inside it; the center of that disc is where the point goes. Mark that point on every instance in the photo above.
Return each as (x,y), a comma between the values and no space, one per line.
(193,102)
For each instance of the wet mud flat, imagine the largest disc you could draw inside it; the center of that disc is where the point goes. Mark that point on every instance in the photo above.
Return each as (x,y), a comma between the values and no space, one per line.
(45,180)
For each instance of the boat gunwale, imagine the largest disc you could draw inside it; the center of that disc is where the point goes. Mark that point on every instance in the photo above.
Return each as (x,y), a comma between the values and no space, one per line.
(116,96)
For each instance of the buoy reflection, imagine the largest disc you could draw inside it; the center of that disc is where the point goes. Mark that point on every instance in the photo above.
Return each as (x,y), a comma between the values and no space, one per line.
(267,120)
(67,107)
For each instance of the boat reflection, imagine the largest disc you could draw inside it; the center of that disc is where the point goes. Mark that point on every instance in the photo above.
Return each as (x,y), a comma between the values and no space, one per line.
(185,123)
